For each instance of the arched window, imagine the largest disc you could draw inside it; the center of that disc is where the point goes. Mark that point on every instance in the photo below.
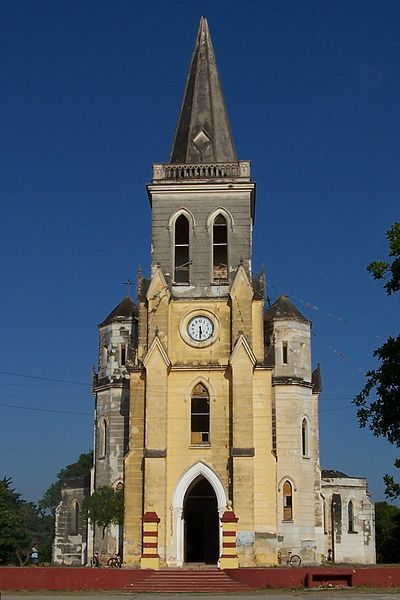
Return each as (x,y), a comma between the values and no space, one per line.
(304,438)
(350,512)
(220,248)
(200,415)
(324,515)
(103,357)
(122,355)
(287,501)
(181,258)
(102,438)
(75,517)
(285,348)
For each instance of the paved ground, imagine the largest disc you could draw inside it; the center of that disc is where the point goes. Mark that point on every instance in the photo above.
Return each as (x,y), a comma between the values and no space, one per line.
(296,595)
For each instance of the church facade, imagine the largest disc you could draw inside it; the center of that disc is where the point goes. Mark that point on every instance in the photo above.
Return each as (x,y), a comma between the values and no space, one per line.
(206,399)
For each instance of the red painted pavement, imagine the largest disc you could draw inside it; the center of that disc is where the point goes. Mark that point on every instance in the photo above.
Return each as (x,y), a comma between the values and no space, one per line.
(74,579)
(317,576)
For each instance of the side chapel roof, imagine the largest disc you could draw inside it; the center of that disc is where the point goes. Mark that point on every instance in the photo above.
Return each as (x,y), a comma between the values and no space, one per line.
(283,308)
(316,380)
(332,474)
(126,309)
(203,133)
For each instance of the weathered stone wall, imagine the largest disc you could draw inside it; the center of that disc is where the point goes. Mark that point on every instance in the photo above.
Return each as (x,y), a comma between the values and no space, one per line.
(70,542)
(200,202)
(356,543)
(112,418)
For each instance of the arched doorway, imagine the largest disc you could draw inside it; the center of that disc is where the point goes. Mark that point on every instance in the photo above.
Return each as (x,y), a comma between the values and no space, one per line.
(201,523)
(186,482)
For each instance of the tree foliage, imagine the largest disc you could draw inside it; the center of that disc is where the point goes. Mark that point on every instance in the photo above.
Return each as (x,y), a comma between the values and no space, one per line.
(105,506)
(389,271)
(387,529)
(21,524)
(52,496)
(379,400)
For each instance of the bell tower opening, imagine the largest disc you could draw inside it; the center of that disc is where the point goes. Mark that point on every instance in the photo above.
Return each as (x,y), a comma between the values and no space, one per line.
(200,513)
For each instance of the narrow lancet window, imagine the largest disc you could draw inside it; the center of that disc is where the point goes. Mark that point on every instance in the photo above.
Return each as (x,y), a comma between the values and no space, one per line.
(75,514)
(102,438)
(182,250)
(200,415)
(103,357)
(304,438)
(284,353)
(122,354)
(287,501)
(220,249)
(350,509)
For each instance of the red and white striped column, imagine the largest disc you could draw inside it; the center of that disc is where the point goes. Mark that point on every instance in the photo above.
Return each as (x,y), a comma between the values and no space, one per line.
(150,558)
(229,558)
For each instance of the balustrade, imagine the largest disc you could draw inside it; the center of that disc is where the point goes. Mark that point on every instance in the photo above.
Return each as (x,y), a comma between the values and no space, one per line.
(179,172)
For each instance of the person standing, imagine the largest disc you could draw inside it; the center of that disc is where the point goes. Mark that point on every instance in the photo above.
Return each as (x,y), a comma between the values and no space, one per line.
(34,556)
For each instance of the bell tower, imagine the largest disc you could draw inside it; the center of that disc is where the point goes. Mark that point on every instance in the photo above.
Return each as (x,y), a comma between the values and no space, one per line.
(202,201)
(206,402)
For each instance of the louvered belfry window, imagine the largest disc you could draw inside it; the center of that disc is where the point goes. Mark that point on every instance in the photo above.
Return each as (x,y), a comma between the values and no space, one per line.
(220,249)
(182,250)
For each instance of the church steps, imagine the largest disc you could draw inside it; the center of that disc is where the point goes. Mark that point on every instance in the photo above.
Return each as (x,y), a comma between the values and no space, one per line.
(184,580)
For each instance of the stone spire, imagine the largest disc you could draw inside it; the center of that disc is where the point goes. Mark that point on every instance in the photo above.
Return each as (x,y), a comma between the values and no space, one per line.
(203,133)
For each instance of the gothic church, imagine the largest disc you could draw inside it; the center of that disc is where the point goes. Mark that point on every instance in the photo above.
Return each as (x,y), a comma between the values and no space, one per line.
(206,400)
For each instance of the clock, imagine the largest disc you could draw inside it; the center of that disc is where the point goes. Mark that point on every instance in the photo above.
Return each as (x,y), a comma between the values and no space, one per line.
(200,328)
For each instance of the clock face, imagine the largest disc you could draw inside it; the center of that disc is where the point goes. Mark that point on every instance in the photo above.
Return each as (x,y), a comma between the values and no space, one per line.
(200,328)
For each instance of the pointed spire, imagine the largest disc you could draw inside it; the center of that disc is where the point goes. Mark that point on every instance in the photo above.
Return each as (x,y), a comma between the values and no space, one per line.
(203,132)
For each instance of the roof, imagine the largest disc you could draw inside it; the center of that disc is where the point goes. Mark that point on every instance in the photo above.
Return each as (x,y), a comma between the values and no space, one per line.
(203,133)
(283,308)
(76,481)
(316,380)
(258,283)
(124,310)
(332,474)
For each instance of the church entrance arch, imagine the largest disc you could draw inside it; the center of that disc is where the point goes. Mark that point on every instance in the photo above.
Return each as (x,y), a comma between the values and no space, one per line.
(199,502)
(201,523)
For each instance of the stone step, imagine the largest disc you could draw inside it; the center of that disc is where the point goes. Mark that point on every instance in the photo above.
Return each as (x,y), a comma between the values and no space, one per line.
(184,580)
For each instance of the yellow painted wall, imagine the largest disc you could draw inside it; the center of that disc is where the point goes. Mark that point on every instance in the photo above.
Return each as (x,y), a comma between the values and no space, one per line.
(240,416)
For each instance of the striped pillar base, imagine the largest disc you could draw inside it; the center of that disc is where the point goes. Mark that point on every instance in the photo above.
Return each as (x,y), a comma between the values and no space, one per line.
(229,558)
(150,558)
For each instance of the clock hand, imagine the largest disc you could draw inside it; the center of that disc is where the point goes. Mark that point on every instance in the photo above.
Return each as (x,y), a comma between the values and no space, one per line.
(200,332)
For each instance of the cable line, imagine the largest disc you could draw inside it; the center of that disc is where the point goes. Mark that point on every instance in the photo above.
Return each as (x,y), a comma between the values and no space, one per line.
(48,410)
(45,378)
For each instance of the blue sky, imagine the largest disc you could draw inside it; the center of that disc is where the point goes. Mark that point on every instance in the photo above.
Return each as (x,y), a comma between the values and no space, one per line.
(90,97)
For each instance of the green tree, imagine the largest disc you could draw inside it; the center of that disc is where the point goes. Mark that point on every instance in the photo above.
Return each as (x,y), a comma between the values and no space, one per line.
(21,525)
(389,271)
(12,533)
(379,400)
(52,496)
(387,530)
(105,506)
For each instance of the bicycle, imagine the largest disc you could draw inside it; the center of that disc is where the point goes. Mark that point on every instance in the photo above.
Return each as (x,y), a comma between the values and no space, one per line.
(115,562)
(293,560)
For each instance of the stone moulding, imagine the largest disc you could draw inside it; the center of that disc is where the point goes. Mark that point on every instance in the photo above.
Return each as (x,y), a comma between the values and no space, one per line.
(230,170)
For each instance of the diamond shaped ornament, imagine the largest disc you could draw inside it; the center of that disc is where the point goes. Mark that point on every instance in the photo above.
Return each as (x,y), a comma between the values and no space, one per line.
(201,140)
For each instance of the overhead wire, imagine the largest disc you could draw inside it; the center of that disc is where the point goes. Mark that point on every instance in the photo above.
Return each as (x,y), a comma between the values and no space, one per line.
(306,303)
(52,379)
(47,410)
